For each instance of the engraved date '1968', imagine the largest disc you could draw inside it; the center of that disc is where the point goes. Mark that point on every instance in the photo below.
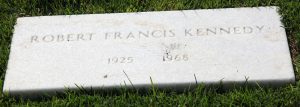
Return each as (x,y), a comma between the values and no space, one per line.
(176,57)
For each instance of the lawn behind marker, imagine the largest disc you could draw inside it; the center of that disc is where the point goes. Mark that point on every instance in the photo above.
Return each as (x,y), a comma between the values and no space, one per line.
(246,96)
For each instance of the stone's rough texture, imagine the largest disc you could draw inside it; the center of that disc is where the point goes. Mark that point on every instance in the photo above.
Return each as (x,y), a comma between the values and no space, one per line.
(175,48)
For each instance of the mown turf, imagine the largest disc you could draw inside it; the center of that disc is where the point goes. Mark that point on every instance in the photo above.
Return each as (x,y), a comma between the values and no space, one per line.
(245,96)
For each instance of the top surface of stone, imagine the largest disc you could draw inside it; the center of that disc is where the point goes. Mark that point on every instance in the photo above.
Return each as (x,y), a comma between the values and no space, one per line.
(171,47)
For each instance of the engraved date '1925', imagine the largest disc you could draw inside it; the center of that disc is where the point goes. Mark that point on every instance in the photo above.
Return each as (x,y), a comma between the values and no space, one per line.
(115,60)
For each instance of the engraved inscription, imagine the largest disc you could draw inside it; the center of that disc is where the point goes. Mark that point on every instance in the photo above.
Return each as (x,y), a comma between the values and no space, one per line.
(140,34)
(115,60)
(176,57)
(150,34)
(62,37)
(223,30)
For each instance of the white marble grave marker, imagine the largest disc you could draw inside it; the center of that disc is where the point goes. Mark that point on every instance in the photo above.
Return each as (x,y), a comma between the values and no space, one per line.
(175,48)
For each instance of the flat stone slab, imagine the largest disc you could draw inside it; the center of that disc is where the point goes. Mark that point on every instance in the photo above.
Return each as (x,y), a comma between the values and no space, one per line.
(177,49)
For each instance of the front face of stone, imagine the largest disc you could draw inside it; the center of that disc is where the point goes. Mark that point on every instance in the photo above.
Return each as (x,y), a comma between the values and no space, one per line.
(171,47)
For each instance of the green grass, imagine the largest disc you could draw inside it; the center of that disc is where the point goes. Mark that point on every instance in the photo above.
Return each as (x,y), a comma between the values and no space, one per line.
(245,96)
